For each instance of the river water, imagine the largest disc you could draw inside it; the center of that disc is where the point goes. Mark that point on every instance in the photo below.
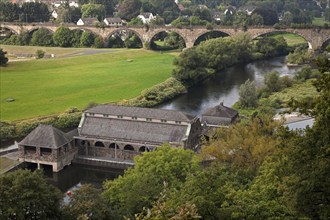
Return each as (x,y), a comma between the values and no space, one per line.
(222,86)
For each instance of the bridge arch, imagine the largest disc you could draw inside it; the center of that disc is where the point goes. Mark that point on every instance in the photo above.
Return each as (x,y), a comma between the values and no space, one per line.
(3,27)
(325,43)
(210,34)
(155,33)
(121,30)
(33,29)
(180,43)
(279,31)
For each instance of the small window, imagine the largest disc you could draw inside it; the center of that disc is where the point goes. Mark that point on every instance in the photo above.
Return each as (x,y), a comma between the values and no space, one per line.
(119,116)
(163,120)
(91,114)
(105,115)
(148,119)
(134,118)
(177,122)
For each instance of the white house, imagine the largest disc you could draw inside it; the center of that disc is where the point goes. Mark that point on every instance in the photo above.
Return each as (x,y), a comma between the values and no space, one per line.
(113,21)
(54,14)
(87,21)
(73,4)
(146,17)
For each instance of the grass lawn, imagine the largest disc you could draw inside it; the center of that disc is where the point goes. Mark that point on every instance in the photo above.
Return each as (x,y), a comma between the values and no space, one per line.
(49,86)
(320,21)
(291,39)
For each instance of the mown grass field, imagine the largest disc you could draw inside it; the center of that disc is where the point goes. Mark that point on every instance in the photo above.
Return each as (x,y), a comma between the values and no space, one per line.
(48,86)
(291,39)
(320,21)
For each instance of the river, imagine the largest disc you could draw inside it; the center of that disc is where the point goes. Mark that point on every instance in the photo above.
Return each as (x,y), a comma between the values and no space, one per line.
(222,86)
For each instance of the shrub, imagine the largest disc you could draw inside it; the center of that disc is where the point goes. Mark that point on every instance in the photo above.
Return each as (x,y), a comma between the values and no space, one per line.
(40,54)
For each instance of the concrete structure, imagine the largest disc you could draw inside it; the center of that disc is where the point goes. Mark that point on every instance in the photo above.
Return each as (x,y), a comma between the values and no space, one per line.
(46,145)
(316,37)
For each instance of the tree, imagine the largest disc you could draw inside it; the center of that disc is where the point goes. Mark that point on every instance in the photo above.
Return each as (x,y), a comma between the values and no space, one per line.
(140,186)
(256,20)
(3,58)
(86,202)
(34,12)
(287,18)
(129,9)
(272,81)
(87,39)
(93,11)
(248,97)
(244,145)
(269,16)
(9,12)
(63,37)
(41,37)
(27,195)
(135,22)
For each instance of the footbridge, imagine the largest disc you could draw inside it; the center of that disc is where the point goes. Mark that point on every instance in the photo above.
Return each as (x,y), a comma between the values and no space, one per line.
(316,37)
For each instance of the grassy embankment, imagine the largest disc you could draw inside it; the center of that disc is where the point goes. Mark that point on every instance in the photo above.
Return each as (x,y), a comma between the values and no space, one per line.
(320,21)
(48,86)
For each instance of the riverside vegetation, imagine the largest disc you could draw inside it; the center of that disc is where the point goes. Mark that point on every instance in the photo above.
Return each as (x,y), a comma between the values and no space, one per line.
(191,68)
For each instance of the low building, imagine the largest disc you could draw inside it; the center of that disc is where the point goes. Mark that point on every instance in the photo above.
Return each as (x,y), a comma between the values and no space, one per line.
(46,145)
(87,21)
(113,22)
(219,116)
(121,132)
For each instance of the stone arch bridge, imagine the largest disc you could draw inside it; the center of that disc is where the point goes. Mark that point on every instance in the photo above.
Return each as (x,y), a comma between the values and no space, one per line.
(316,37)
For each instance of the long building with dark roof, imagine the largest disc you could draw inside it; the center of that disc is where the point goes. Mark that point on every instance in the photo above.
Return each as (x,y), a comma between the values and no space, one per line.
(122,132)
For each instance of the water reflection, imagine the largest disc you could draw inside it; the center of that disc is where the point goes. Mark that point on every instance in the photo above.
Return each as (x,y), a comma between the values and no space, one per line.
(224,86)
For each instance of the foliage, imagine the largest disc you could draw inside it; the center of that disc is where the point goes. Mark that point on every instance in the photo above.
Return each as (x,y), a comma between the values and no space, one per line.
(244,145)
(272,81)
(9,12)
(140,186)
(269,15)
(3,58)
(34,12)
(62,37)
(129,9)
(87,39)
(158,93)
(195,64)
(93,11)
(41,37)
(272,46)
(27,195)
(40,54)
(300,56)
(133,41)
(135,21)
(85,202)
(305,73)
(248,95)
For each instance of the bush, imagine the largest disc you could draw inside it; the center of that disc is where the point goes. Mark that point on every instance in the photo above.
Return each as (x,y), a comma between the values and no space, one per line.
(40,54)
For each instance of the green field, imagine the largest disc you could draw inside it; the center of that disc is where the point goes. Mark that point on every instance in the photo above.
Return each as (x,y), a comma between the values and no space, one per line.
(291,39)
(49,86)
(320,21)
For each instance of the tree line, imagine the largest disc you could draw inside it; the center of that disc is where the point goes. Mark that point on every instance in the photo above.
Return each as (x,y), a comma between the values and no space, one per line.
(64,37)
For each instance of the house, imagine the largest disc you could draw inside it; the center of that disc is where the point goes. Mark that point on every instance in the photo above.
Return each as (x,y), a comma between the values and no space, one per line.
(146,17)
(113,22)
(54,14)
(219,116)
(87,21)
(216,15)
(230,10)
(46,145)
(74,4)
(120,132)
(249,9)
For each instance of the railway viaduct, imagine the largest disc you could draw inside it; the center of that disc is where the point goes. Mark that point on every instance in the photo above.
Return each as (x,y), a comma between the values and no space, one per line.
(316,37)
